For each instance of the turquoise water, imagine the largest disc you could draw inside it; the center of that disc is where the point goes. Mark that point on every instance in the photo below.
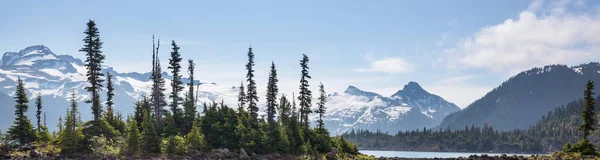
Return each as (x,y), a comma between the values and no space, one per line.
(417,154)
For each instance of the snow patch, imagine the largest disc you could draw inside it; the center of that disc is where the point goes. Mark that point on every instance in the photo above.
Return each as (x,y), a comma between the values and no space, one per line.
(577,70)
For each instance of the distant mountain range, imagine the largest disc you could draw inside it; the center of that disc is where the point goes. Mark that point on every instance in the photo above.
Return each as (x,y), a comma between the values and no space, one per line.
(408,109)
(56,76)
(517,103)
(522,100)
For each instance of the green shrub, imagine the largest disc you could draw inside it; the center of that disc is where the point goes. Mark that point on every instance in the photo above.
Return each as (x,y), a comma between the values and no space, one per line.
(105,148)
(174,145)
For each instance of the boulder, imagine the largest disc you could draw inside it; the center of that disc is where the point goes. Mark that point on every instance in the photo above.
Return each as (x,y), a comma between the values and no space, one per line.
(35,154)
(243,154)
(332,154)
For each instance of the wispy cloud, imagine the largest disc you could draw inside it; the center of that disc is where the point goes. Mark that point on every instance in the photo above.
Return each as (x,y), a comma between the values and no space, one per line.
(545,33)
(388,65)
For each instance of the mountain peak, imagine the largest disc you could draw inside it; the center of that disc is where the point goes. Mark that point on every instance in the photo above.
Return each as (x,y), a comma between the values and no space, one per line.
(413,86)
(27,56)
(352,90)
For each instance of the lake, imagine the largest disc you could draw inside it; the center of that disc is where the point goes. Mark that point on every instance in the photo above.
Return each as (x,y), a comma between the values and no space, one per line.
(417,154)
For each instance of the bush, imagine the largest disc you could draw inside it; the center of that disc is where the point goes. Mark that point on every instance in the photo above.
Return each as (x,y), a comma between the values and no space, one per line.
(105,148)
(195,140)
(174,145)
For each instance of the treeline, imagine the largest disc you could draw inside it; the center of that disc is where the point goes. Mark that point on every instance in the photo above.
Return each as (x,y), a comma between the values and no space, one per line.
(175,127)
(556,129)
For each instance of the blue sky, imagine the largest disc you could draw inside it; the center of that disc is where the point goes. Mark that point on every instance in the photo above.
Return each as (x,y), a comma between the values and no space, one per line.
(458,49)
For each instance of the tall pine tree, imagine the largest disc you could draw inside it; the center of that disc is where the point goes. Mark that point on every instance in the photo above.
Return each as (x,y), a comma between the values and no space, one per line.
(190,100)
(176,85)
(241,100)
(93,64)
(321,105)
(38,113)
(272,91)
(284,108)
(251,94)
(22,131)
(157,95)
(305,96)
(588,116)
(109,98)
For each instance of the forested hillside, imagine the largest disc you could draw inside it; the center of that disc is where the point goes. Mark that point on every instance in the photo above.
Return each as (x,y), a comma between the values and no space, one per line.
(521,101)
(550,134)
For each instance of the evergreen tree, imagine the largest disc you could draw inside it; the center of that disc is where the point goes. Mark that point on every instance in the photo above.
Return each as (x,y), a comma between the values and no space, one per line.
(272,91)
(109,99)
(38,113)
(321,105)
(251,94)
(176,85)
(588,116)
(190,100)
(60,125)
(241,99)
(93,64)
(195,140)
(133,137)
(284,111)
(142,105)
(157,95)
(22,131)
(305,96)
(295,137)
(150,139)
(71,139)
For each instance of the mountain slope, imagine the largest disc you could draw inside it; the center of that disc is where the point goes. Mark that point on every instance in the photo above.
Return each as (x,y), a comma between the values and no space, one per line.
(408,109)
(523,99)
(56,76)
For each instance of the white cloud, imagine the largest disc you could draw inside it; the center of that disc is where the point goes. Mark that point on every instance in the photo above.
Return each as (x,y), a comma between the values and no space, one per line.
(388,65)
(531,40)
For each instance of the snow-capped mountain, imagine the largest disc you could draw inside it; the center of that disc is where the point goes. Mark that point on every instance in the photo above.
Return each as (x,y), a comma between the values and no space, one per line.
(56,76)
(408,109)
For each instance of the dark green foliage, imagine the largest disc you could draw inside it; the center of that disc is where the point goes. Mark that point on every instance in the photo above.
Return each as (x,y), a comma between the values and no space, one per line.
(157,93)
(251,94)
(38,113)
(93,64)
(175,146)
(522,100)
(195,140)
(169,128)
(177,86)
(241,99)
(321,104)
(217,125)
(189,103)
(295,132)
(71,137)
(588,116)
(305,96)
(345,146)
(109,97)
(98,128)
(285,111)
(22,131)
(142,106)
(272,91)
(151,140)
(133,138)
